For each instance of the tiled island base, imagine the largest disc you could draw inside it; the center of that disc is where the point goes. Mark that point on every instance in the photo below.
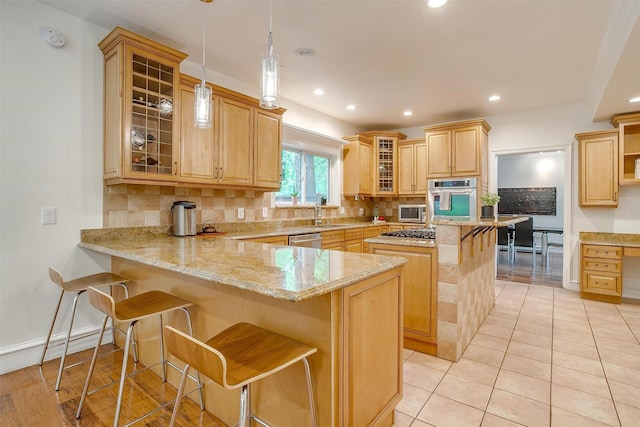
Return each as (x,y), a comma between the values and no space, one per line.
(466,285)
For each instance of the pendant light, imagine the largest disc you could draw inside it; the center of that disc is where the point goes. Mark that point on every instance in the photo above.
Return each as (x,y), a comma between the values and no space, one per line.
(203,108)
(270,82)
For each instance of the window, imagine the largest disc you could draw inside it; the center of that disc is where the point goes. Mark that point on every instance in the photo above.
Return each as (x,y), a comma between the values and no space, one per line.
(305,174)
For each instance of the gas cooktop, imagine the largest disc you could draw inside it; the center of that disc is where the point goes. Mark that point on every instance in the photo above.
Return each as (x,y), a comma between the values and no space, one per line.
(413,233)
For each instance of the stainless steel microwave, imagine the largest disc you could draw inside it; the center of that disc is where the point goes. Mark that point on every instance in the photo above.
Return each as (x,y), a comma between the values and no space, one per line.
(454,199)
(412,213)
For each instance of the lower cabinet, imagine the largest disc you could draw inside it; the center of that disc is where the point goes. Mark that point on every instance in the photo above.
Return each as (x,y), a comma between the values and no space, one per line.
(419,294)
(276,240)
(601,272)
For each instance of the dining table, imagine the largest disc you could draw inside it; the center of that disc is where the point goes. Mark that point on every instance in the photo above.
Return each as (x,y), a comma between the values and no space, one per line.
(544,239)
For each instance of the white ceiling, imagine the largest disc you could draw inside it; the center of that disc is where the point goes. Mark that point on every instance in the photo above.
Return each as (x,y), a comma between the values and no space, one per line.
(388,56)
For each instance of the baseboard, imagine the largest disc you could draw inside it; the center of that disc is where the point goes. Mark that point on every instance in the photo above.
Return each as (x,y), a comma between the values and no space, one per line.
(28,353)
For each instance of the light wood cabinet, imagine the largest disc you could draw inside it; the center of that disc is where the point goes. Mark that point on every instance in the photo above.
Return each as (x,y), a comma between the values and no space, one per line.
(601,272)
(149,132)
(141,78)
(357,166)
(419,294)
(629,152)
(412,167)
(276,240)
(457,149)
(226,155)
(371,163)
(198,146)
(598,168)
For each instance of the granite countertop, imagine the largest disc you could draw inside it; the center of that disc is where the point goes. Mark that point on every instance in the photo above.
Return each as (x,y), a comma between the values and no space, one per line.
(502,221)
(402,241)
(629,240)
(283,272)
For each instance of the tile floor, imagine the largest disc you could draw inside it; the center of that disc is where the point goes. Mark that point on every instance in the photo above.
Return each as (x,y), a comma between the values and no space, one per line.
(542,357)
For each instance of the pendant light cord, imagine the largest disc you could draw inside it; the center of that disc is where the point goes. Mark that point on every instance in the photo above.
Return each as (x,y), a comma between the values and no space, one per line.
(270,40)
(204,31)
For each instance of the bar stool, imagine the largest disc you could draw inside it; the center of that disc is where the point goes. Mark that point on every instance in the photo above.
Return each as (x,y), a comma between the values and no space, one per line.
(77,286)
(133,310)
(236,358)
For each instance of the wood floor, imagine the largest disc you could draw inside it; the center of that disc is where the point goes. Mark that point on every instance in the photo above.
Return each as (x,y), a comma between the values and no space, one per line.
(524,271)
(27,397)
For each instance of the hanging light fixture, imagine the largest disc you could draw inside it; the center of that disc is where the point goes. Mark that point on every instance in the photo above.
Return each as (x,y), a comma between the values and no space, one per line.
(270,82)
(203,109)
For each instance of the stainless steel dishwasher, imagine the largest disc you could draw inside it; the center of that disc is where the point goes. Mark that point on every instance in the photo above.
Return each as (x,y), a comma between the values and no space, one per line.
(309,240)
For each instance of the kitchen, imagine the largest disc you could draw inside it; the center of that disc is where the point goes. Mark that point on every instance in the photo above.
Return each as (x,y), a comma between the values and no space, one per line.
(76,186)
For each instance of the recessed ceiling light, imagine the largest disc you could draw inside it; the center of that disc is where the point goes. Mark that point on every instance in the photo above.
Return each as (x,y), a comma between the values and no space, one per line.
(408,113)
(318,91)
(494,97)
(436,3)
(305,52)
(351,107)
(636,99)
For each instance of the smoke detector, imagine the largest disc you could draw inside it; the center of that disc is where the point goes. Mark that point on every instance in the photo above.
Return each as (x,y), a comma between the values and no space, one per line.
(52,37)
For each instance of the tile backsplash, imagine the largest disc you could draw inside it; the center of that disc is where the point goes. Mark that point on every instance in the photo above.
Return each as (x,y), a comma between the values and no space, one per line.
(134,205)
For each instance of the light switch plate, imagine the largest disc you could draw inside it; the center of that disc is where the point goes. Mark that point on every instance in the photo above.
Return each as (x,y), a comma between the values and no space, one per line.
(341,210)
(240,213)
(360,211)
(265,212)
(48,216)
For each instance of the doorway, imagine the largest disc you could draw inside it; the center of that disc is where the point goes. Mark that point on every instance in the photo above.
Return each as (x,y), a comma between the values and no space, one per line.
(532,180)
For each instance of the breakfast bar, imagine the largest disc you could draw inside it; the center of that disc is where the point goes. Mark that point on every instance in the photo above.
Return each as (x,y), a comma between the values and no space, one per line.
(348,305)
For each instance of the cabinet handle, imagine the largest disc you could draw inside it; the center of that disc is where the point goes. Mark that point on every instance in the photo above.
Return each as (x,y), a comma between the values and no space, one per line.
(615,196)
(175,168)
(216,168)
(220,173)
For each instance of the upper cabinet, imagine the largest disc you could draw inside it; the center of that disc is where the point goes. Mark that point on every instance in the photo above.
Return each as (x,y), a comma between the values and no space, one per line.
(629,142)
(357,166)
(598,168)
(371,163)
(149,130)
(412,167)
(140,81)
(457,149)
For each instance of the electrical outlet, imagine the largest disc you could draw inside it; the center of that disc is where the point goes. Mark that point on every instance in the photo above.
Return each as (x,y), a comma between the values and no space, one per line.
(48,216)
(360,211)
(240,213)
(265,212)
(341,210)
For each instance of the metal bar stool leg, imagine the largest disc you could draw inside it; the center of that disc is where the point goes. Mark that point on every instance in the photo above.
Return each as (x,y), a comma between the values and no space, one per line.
(181,387)
(244,398)
(66,340)
(53,322)
(123,375)
(91,367)
(312,404)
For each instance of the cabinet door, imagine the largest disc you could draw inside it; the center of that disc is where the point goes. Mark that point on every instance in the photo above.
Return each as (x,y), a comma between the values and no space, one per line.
(267,150)
(438,154)
(465,150)
(406,165)
(420,168)
(385,167)
(150,151)
(598,173)
(235,165)
(366,176)
(197,145)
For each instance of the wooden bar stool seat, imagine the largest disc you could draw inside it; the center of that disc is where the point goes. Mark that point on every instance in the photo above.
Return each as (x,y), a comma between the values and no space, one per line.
(78,287)
(132,310)
(237,357)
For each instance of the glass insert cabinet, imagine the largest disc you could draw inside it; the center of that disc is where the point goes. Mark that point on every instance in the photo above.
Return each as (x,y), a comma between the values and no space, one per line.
(141,78)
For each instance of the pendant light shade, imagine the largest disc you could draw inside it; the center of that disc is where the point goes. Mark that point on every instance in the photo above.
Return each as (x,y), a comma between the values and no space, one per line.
(203,108)
(270,78)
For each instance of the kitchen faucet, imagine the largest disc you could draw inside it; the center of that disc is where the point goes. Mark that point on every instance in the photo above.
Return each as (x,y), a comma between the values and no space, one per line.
(317,213)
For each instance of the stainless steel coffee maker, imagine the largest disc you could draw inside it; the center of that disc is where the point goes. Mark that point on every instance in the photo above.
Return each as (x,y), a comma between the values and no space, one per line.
(184,218)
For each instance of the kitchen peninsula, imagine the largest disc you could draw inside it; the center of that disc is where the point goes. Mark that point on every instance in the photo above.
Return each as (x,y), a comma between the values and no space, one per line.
(449,286)
(347,305)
